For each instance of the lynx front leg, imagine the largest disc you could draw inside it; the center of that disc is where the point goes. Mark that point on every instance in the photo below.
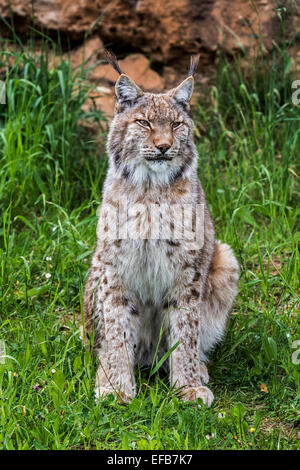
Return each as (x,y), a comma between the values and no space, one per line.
(186,371)
(116,358)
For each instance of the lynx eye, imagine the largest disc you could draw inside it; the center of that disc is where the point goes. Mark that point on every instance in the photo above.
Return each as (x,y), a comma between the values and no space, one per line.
(176,124)
(143,122)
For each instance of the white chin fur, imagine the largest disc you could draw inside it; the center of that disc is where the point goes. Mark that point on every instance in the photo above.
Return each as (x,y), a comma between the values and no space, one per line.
(157,172)
(157,165)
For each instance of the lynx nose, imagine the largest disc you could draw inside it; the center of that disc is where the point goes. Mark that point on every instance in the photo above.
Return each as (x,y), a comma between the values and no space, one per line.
(163,147)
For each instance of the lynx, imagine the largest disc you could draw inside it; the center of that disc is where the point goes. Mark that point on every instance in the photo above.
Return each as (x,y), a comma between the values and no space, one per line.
(145,294)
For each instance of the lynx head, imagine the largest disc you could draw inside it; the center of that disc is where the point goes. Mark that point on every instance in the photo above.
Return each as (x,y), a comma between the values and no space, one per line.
(150,137)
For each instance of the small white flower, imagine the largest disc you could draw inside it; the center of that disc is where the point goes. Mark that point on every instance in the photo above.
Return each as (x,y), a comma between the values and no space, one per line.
(53,371)
(47,275)
(48,258)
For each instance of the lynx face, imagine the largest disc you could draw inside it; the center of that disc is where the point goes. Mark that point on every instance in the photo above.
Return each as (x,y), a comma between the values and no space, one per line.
(149,133)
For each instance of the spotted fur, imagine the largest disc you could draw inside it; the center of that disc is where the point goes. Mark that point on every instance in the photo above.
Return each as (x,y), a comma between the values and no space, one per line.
(137,288)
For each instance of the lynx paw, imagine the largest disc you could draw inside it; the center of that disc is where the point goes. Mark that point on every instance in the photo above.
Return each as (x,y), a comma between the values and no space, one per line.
(120,386)
(192,393)
(119,395)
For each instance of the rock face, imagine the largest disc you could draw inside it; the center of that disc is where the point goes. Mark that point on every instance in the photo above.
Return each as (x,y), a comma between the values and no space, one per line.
(167,31)
(164,33)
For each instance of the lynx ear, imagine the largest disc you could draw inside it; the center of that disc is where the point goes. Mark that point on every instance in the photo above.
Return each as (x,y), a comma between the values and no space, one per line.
(183,93)
(127,92)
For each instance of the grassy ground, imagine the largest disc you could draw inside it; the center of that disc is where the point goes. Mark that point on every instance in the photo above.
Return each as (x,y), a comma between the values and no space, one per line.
(51,173)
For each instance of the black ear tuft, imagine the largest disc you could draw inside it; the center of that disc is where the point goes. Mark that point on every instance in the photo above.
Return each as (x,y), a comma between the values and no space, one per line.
(194,64)
(112,60)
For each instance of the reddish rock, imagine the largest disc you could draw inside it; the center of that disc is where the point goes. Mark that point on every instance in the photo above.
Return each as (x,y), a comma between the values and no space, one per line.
(168,31)
(89,52)
(75,17)
(137,67)
(101,99)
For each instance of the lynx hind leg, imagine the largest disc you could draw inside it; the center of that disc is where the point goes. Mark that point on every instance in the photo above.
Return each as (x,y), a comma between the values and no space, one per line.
(221,290)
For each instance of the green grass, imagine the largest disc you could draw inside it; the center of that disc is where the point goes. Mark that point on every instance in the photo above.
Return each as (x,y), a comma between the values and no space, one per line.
(51,174)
